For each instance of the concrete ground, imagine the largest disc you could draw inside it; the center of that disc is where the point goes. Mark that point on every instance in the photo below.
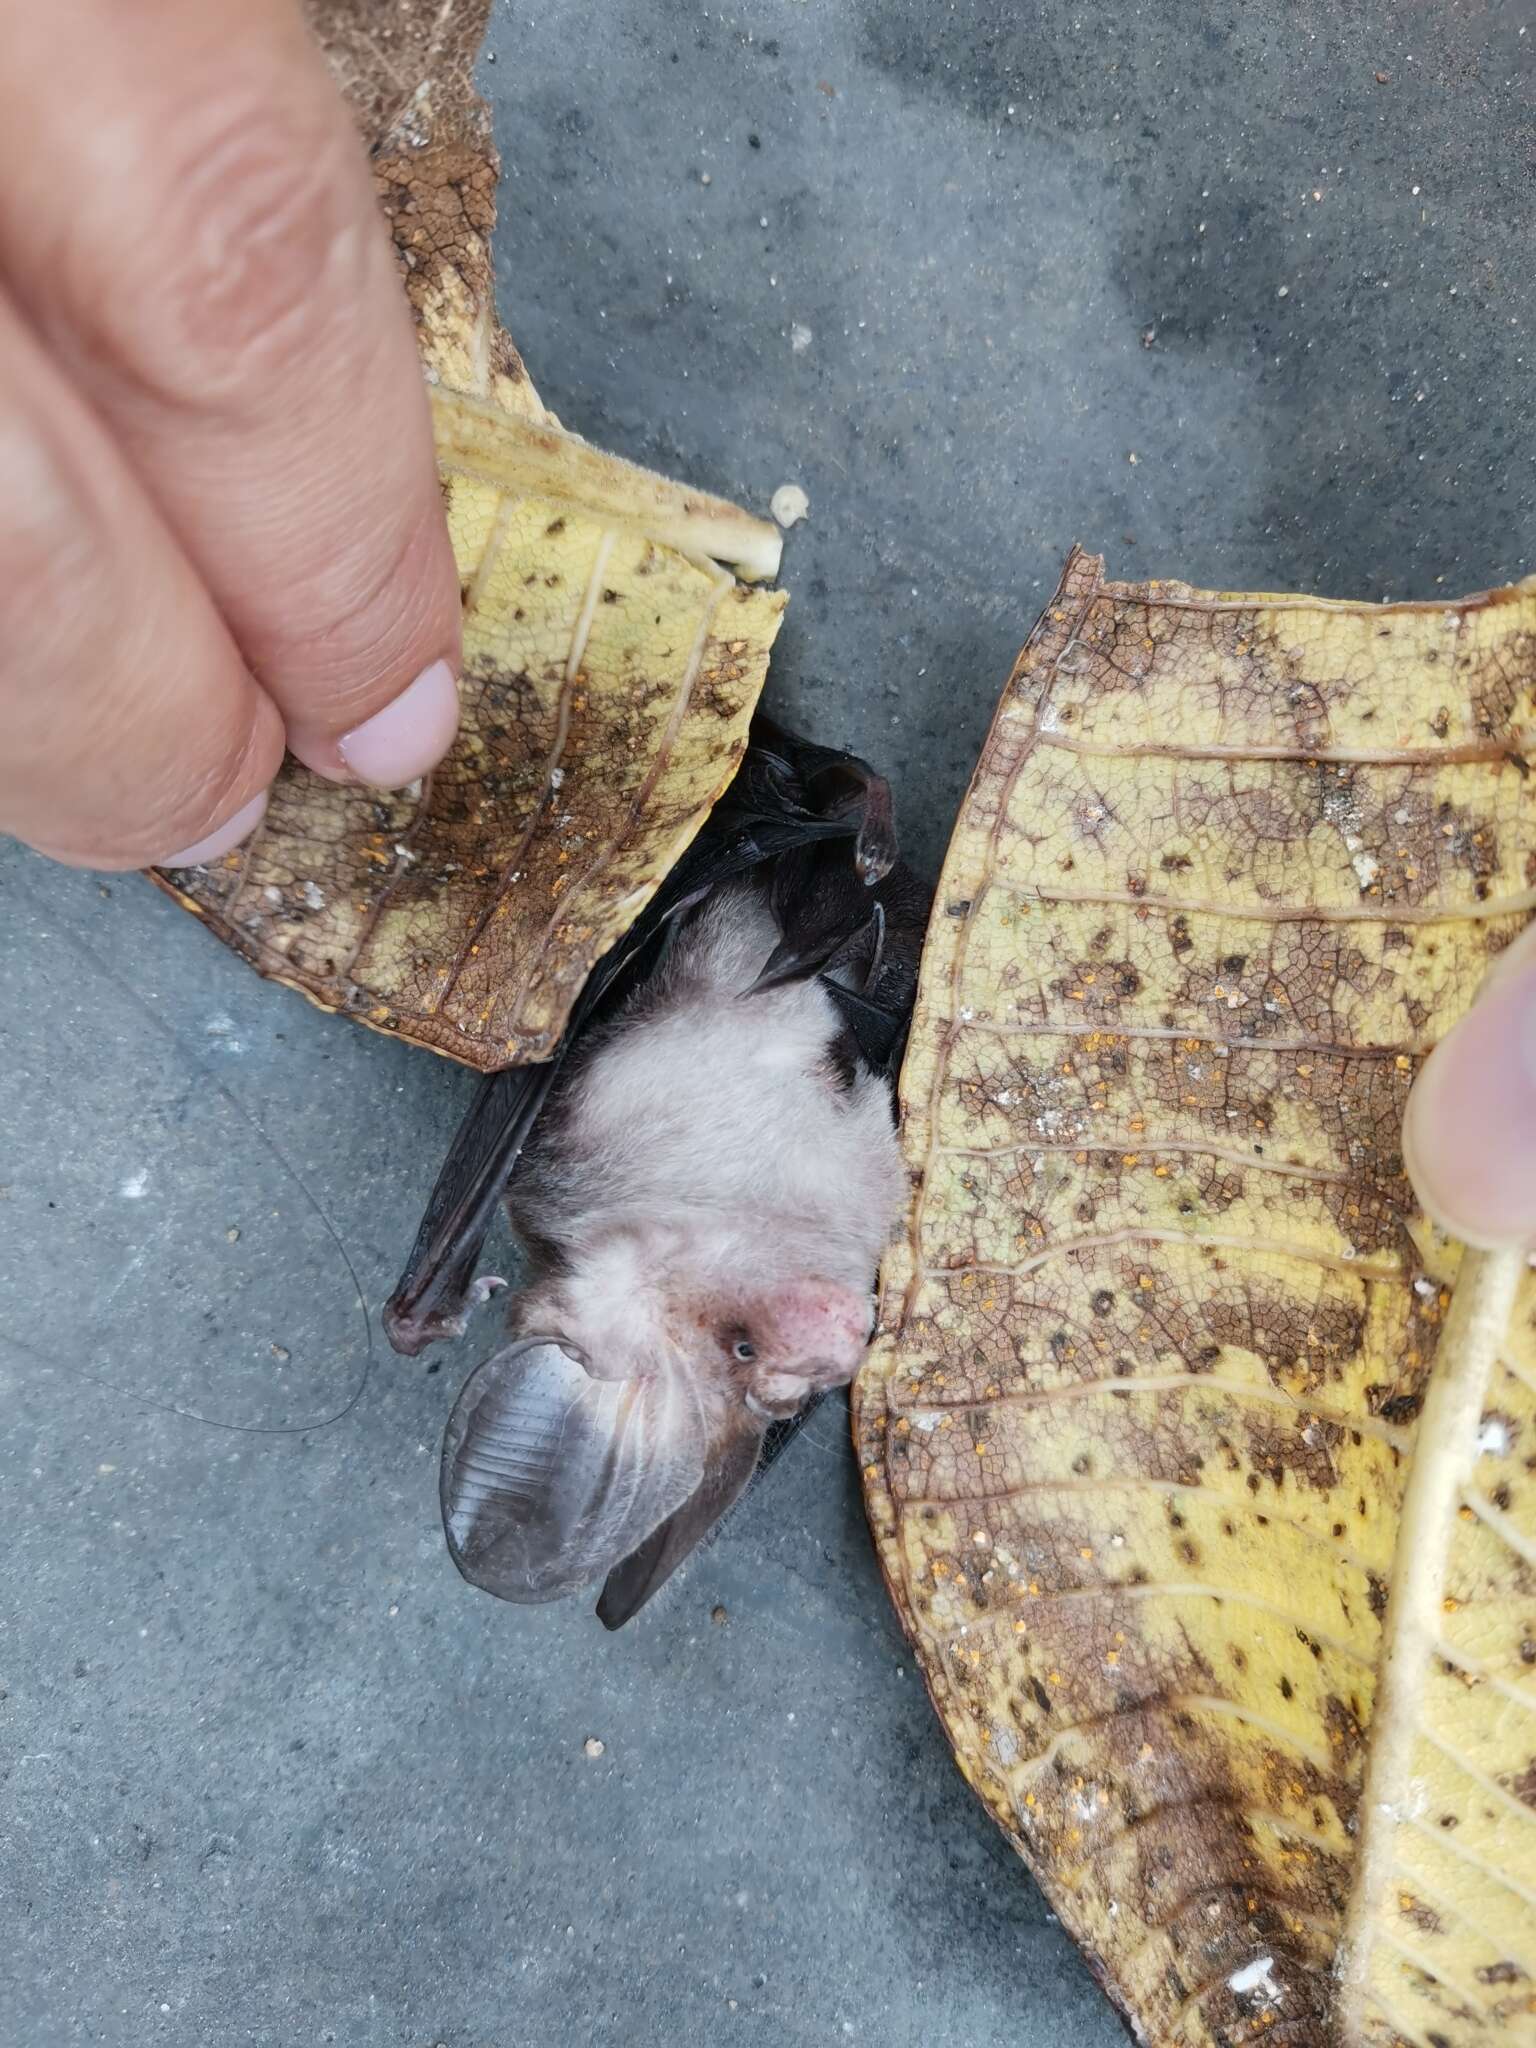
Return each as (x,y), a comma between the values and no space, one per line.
(1244,295)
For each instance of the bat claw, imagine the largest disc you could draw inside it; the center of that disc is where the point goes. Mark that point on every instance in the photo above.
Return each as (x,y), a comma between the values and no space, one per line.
(874,861)
(411,1330)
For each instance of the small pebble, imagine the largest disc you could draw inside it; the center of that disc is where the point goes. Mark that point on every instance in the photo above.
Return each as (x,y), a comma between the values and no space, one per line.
(789,504)
(593,1747)
(718,1616)
(232,1236)
(280,1352)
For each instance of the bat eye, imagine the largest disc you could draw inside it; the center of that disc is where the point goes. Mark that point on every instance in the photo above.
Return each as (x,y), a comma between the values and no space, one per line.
(744,1351)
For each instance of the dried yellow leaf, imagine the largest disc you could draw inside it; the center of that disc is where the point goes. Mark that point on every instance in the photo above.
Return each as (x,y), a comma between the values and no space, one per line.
(1297,1685)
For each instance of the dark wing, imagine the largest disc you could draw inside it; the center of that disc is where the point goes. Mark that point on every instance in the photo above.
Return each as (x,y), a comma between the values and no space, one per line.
(629,1585)
(789,815)
(874,993)
(432,1296)
(864,941)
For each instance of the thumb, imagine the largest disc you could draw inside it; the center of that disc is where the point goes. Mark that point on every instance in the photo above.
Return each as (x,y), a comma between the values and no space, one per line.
(228,298)
(1469,1136)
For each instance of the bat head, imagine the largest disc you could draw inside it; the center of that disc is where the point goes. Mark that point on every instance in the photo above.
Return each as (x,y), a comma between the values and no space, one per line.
(741,1305)
(775,1346)
(628,1417)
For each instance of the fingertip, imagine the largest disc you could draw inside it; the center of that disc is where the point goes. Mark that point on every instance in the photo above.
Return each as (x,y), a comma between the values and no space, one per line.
(1469,1133)
(222,839)
(404,740)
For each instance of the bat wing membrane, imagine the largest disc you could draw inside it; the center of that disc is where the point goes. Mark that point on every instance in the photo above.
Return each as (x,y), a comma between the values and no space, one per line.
(550,1476)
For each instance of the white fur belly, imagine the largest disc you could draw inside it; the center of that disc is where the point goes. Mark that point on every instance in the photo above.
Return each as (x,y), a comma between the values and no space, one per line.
(732,1105)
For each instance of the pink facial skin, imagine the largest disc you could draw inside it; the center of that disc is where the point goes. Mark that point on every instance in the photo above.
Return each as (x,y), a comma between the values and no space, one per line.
(789,1342)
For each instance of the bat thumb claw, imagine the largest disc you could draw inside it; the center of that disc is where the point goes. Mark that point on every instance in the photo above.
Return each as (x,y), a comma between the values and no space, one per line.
(785,963)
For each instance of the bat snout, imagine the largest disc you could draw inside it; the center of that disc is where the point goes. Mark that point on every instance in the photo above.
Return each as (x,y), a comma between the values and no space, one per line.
(825,1328)
(820,1331)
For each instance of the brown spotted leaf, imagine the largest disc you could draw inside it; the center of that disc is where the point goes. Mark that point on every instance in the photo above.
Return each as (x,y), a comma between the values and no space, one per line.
(612,657)
(1201,1470)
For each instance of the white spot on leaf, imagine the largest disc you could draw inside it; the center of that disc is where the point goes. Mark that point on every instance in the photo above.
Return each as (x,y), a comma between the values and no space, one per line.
(1495,1438)
(1257,1976)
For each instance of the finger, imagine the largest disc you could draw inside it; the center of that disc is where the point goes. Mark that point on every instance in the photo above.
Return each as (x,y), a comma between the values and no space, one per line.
(1469,1137)
(130,730)
(192,227)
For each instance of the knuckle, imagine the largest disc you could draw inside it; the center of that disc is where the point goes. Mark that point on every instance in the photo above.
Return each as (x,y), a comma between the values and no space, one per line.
(247,255)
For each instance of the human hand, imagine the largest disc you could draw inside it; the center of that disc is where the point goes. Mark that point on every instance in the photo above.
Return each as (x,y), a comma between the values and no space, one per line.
(1469,1137)
(220,523)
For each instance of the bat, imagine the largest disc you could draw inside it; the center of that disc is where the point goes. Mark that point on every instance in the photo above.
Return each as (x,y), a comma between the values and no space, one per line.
(701,1181)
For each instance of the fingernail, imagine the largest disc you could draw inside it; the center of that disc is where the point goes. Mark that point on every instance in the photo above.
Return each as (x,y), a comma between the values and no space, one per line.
(1469,1137)
(224,840)
(407,737)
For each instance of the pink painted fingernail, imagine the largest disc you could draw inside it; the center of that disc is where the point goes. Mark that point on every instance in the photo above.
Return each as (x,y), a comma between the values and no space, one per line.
(407,737)
(224,840)
(1469,1137)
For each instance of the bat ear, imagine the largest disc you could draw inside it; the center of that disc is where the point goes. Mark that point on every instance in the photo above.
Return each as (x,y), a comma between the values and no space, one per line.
(549,1474)
(630,1584)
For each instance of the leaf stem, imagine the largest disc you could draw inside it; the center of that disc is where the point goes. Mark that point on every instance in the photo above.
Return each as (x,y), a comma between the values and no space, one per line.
(541,460)
(1445,1450)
